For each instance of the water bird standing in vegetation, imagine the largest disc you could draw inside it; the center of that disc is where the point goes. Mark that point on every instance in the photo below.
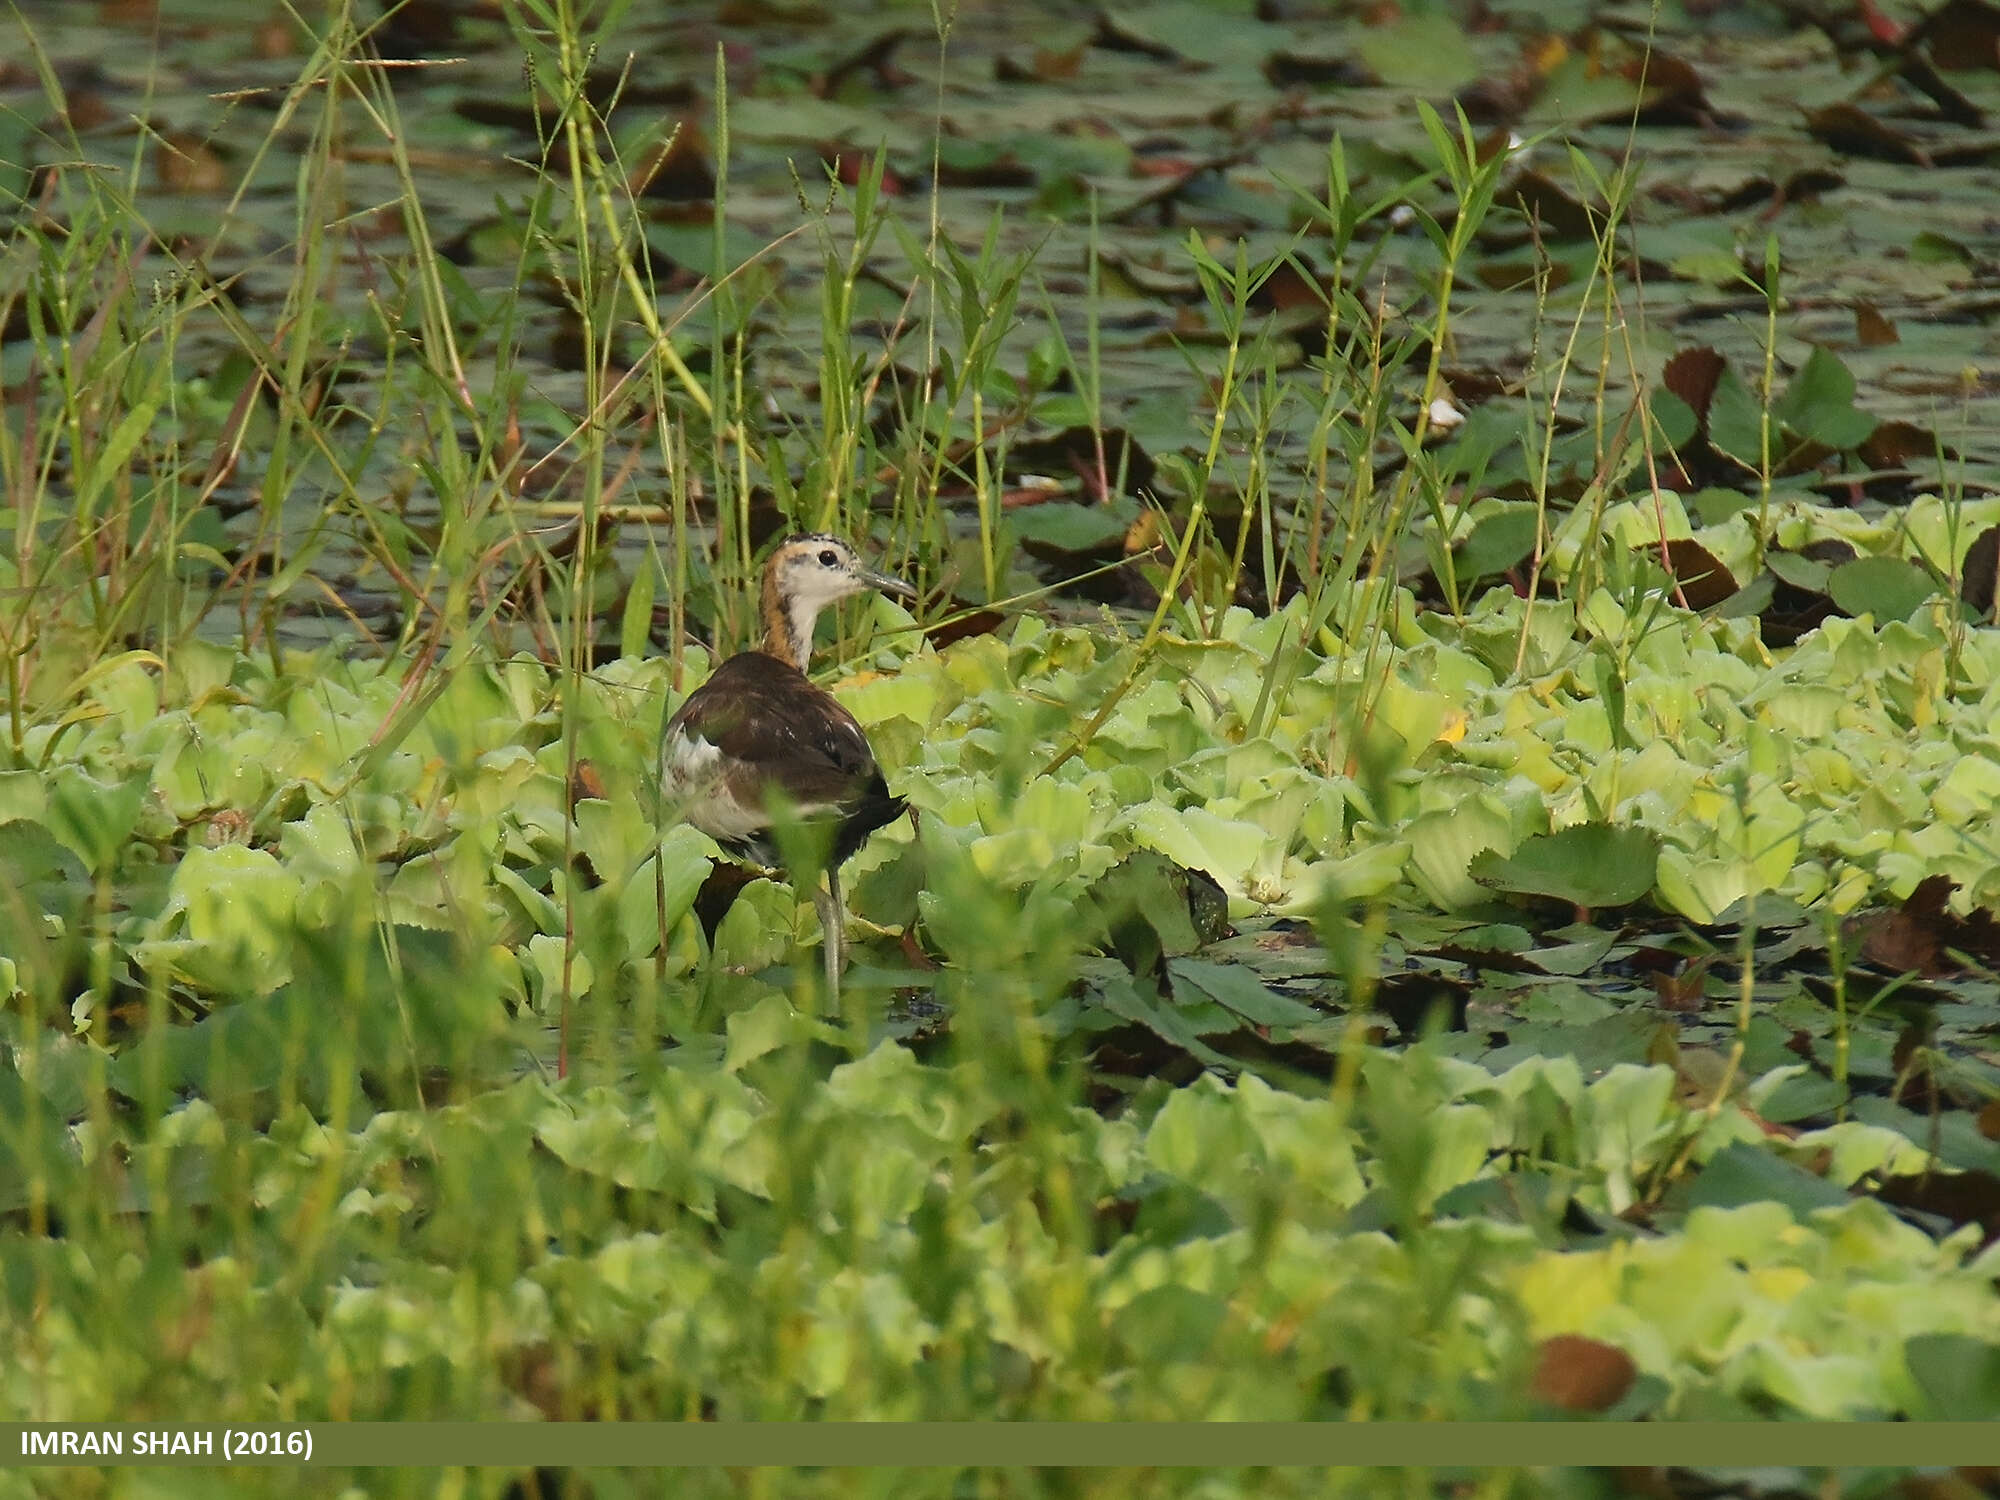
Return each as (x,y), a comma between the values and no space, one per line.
(759,745)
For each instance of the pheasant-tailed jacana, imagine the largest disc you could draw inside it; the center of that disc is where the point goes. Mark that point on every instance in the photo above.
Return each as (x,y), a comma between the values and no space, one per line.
(759,742)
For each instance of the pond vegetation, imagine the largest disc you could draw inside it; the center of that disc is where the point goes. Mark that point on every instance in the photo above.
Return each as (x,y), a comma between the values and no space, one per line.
(1451,717)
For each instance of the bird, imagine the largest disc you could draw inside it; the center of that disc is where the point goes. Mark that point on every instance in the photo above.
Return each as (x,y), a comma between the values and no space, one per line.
(760,746)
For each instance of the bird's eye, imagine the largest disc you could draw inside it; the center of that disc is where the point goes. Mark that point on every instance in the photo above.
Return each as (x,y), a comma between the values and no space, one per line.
(829,558)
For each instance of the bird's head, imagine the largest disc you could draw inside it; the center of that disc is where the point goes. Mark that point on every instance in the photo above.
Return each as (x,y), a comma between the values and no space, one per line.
(803,576)
(820,569)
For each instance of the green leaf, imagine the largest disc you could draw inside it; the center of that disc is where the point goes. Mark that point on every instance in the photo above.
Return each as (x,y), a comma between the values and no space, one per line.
(1443,845)
(648,908)
(635,625)
(32,859)
(1424,52)
(1674,417)
(1140,907)
(1235,987)
(109,463)
(1886,587)
(1736,422)
(1169,1324)
(1800,572)
(1741,1174)
(1588,864)
(1498,541)
(92,818)
(36,1165)
(1124,999)
(1068,527)
(768,1025)
(229,922)
(1959,1377)
(1819,404)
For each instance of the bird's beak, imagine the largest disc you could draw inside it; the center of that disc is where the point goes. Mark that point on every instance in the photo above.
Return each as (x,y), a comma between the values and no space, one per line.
(885,584)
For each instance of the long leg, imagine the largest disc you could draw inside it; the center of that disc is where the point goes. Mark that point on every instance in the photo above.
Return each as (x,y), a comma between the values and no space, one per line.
(833,927)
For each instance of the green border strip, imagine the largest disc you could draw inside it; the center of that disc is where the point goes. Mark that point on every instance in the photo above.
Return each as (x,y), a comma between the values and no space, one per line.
(1038,1444)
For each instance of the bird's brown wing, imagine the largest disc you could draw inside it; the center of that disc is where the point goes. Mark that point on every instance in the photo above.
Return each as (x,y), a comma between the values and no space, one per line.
(780,738)
(761,713)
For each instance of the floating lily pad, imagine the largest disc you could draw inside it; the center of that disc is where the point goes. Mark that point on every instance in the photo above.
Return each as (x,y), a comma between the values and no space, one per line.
(1590,864)
(1887,588)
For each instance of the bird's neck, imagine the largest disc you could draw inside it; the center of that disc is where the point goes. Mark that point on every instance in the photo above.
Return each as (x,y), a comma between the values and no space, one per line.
(788,626)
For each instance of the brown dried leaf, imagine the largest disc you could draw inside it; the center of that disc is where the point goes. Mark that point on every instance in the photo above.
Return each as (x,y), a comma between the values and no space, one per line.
(1543,200)
(1105,461)
(87,109)
(1894,444)
(1117,34)
(1979,573)
(1851,129)
(586,784)
(1988,1119)
(1962,1197)
(1910,939)
(1574,1373)
(1693,375)
(680,168)
(1286,70)
(1055,67)
(965,619)
(1914,938)
(1704,581)
(1872,328)
(1964,34)
(185,163)
(1673,87)
(1686,991)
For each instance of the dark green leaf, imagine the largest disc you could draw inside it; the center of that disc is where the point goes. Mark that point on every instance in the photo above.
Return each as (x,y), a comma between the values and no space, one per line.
(1169,1324)
(1886,587)
(1498,542)
(1590,864)
(1740,1174)
(1238,989)
(1958,1376)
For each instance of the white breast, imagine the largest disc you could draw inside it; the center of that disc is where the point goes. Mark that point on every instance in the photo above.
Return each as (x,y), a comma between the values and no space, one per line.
(693,772)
